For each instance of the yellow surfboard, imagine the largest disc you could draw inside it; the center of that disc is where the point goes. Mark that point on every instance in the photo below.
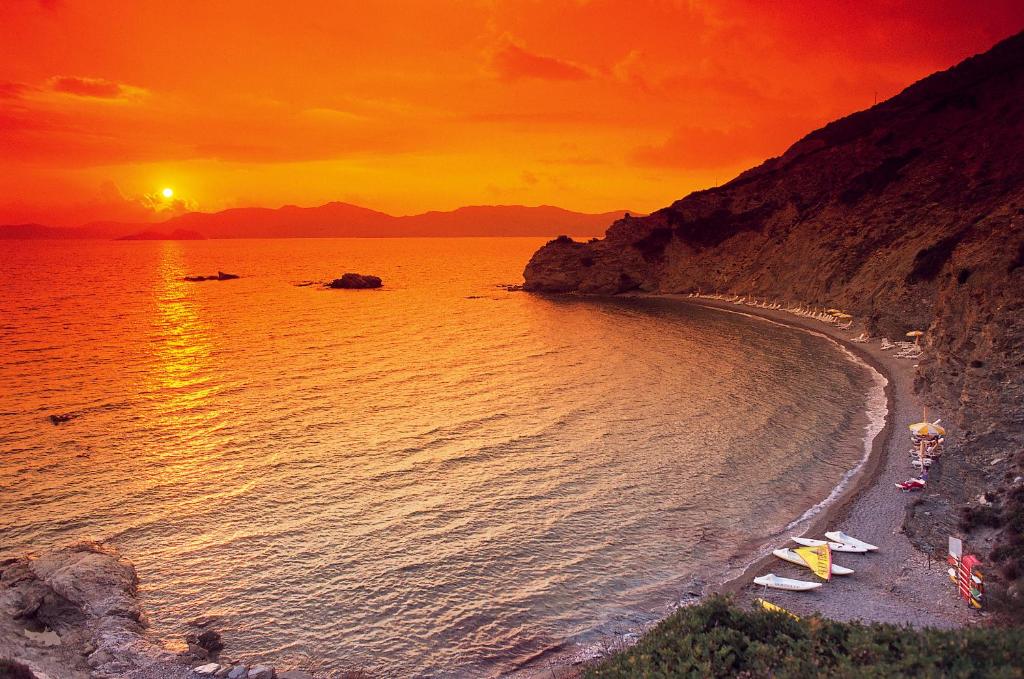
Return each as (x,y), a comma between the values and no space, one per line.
(774,608)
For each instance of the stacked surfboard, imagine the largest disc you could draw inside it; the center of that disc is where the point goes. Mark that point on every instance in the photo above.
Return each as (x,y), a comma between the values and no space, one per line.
(817,556)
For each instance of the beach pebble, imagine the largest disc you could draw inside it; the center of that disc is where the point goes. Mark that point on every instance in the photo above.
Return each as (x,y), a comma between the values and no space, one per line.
(238,672)
(224,671)
(996,460)
(262,672)
(207,670)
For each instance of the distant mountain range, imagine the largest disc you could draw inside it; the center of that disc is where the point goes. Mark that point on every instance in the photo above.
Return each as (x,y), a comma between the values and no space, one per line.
(336,220)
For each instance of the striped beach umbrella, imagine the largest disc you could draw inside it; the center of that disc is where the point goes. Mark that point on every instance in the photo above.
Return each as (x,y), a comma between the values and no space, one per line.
(927,430)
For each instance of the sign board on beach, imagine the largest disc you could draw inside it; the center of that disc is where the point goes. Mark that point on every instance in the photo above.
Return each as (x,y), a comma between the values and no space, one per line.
(956,547)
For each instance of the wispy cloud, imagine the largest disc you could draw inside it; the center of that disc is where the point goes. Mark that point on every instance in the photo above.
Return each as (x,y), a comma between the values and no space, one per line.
(513,62)
(13,90)
(97,88)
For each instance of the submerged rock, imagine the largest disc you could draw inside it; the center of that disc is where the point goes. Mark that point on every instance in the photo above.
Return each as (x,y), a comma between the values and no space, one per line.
(61,418)
(355,281)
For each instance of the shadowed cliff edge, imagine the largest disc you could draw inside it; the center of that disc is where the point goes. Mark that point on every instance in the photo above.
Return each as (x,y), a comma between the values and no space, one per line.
(907,215)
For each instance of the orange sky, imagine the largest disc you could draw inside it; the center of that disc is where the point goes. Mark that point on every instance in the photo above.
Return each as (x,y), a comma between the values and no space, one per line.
(406,106)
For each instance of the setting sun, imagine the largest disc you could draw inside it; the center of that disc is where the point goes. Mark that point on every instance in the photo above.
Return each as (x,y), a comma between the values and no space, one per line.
(168,192)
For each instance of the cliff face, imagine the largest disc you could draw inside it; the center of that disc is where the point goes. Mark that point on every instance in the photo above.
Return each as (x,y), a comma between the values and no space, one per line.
(909,215)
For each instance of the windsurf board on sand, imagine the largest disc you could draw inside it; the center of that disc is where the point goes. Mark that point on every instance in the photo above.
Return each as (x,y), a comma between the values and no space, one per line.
(834,546)
(840,536)
(792,557)
(775,582)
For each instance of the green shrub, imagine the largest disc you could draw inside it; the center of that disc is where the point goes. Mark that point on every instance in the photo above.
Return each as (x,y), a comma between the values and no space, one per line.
(718,639)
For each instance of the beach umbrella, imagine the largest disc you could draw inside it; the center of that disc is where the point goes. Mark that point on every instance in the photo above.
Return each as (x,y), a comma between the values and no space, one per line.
(916,334)
(927,430)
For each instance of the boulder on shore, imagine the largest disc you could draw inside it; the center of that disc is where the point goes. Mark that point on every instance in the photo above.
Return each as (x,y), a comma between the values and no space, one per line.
(355,281)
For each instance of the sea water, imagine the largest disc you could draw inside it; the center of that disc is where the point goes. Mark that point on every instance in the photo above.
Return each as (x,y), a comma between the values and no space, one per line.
(442,477)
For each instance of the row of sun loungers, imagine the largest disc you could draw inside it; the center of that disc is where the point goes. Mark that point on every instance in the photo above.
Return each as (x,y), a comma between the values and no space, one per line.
(903,349)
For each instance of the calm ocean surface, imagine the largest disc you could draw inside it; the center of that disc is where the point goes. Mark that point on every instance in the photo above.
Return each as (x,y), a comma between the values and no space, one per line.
(439,478)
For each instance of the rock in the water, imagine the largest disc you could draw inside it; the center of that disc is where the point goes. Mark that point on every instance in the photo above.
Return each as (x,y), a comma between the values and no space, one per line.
(207,670)
(221,276)
(355,281)
(207,641)
(262,672)
(61,418)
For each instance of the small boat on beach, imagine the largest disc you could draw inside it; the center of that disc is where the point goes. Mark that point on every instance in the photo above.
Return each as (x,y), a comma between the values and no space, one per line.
(840,536)
(834,546)
(792,557)
(775,582)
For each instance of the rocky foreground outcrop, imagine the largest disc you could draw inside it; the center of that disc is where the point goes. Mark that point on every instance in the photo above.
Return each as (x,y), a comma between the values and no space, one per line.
(909,215)
(74,613)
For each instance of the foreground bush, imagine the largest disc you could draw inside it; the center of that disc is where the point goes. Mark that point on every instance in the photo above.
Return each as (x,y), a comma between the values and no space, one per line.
(718,639)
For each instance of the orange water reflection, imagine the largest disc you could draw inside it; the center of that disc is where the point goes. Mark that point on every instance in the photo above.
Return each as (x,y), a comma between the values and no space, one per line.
(178,381)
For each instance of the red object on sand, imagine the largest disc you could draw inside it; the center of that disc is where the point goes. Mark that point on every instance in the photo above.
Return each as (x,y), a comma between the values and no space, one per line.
(912,484)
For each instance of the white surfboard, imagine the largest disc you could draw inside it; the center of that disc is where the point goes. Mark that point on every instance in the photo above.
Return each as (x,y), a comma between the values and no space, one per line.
(775,582)
(840,536)
(834,546)
(792,557)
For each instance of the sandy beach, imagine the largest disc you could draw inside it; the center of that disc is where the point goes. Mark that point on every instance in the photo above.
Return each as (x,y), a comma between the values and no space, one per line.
(898,584)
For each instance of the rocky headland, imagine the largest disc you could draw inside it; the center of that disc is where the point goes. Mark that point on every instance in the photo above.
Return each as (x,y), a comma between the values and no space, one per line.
(909,216)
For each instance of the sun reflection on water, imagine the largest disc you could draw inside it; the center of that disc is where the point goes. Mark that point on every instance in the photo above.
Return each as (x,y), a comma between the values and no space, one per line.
(179,381)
